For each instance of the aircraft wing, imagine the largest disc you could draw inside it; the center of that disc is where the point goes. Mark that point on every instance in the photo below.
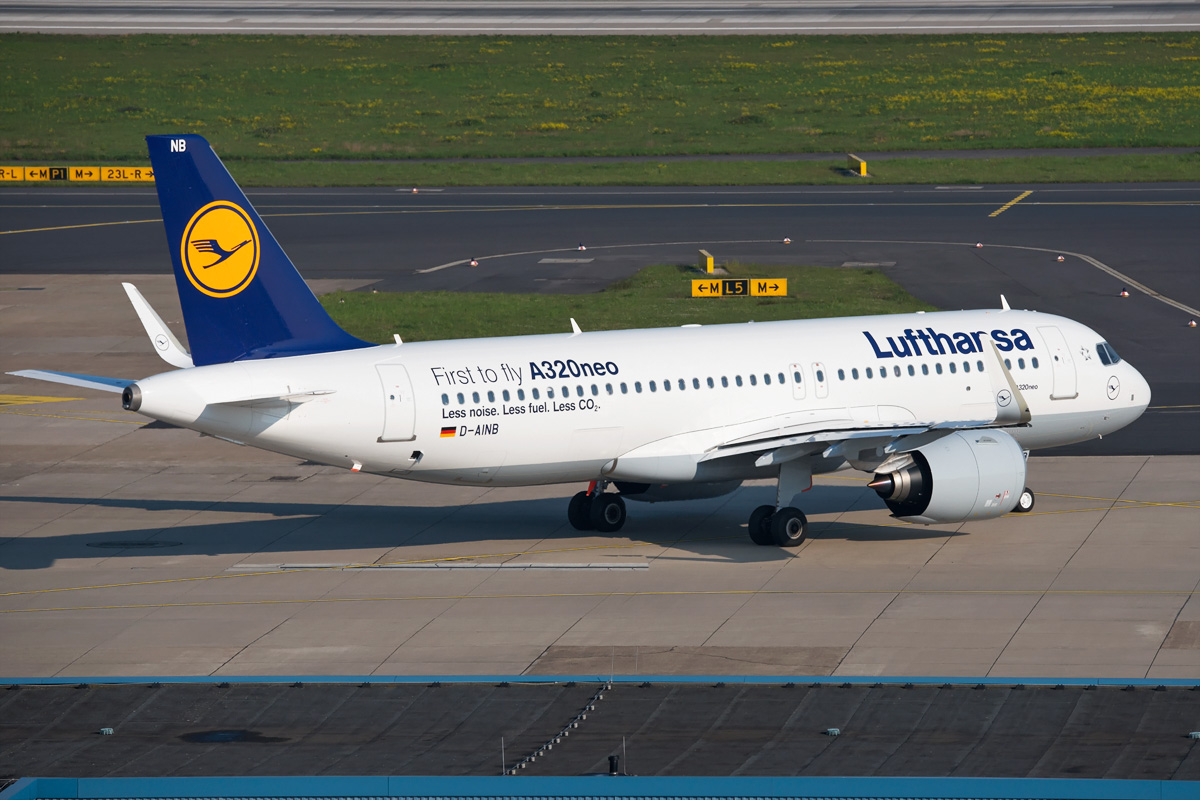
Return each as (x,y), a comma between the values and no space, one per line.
(829,433)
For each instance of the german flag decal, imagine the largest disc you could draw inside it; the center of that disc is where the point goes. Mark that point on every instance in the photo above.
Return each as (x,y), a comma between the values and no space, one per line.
(448,433)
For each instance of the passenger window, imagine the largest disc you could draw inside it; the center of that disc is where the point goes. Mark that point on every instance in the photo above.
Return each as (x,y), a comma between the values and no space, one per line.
(797,378)
(782,380)
(869,373)
(896,371)
(711,385)
(653,386)
(966,366)
(608,388)
(596,390)
(667,385)
(637,386)
(841,374)
(979,366)
(854,373)
(820,376)
(579,390)
(695,383)
(624,388)
(766,379)
(724,382)
(953,369)
(491,396)
(520,394)
(1007,364)
(883,372)
(566,392)
(911,371)
(682,385)
(461,399)
(737,379)
(753,379)
(535,394)
(924,369)
(1033,362)
(550,392)
(445,399)
(505,395)
(938,368)
(475,396)
(1021,363)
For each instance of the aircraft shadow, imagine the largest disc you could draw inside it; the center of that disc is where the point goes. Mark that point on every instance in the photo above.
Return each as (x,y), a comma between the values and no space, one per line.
(288,532)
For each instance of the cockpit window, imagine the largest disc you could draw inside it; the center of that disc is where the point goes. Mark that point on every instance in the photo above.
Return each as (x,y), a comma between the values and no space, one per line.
(1108,356)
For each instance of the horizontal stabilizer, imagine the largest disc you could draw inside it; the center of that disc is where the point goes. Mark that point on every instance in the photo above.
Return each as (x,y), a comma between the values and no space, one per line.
(71,379)
(165,344)
(268,398)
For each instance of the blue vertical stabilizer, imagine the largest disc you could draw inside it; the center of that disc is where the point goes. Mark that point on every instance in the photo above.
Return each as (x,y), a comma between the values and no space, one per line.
(241,296)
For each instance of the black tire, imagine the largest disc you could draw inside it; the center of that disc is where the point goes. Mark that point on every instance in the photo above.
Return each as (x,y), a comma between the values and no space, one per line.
(607,513)
(1024,502)
(760,525)
(789,526)
(579,512)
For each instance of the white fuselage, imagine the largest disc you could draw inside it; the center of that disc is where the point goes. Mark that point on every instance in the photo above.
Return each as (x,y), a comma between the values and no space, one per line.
(643,405)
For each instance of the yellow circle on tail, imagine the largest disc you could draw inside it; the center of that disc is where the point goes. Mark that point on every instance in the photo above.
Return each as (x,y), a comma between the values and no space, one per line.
(220,249)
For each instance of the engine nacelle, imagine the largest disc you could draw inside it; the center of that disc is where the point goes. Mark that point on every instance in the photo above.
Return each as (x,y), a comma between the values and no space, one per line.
(665,492)
(965,475)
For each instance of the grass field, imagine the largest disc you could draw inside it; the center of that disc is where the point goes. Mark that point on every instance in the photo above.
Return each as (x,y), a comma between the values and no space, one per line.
(658,296)
(1036,169)
(266,98)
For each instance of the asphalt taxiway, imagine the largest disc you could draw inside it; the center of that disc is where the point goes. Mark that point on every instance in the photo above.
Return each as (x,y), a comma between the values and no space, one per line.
(1139,237)
(561,728)
(525,17)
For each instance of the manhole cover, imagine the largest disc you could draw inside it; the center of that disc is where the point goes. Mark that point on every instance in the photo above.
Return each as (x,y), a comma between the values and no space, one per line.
(211,737)
(142,543)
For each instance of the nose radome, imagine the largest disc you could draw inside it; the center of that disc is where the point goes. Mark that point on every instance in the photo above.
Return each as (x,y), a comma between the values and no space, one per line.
(1139,390)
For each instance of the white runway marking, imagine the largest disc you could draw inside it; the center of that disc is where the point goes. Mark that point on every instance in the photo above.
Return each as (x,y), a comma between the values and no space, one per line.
(1141,287)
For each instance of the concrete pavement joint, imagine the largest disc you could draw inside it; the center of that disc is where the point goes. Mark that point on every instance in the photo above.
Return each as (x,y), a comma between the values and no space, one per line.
(456,598)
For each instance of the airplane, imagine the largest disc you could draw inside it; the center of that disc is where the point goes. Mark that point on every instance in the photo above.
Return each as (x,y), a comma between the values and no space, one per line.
(942,407)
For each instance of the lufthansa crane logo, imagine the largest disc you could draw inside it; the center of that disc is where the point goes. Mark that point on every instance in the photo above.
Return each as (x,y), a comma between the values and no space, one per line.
(220,249)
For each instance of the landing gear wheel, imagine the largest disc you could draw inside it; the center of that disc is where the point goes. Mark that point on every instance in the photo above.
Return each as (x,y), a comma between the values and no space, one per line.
(789,526)
(579,512)
(760,525)
(1024,502)
(607,512)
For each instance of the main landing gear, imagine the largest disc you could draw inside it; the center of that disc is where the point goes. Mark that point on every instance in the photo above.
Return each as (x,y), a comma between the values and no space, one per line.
(785,527)
(782,524)
(596,510)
